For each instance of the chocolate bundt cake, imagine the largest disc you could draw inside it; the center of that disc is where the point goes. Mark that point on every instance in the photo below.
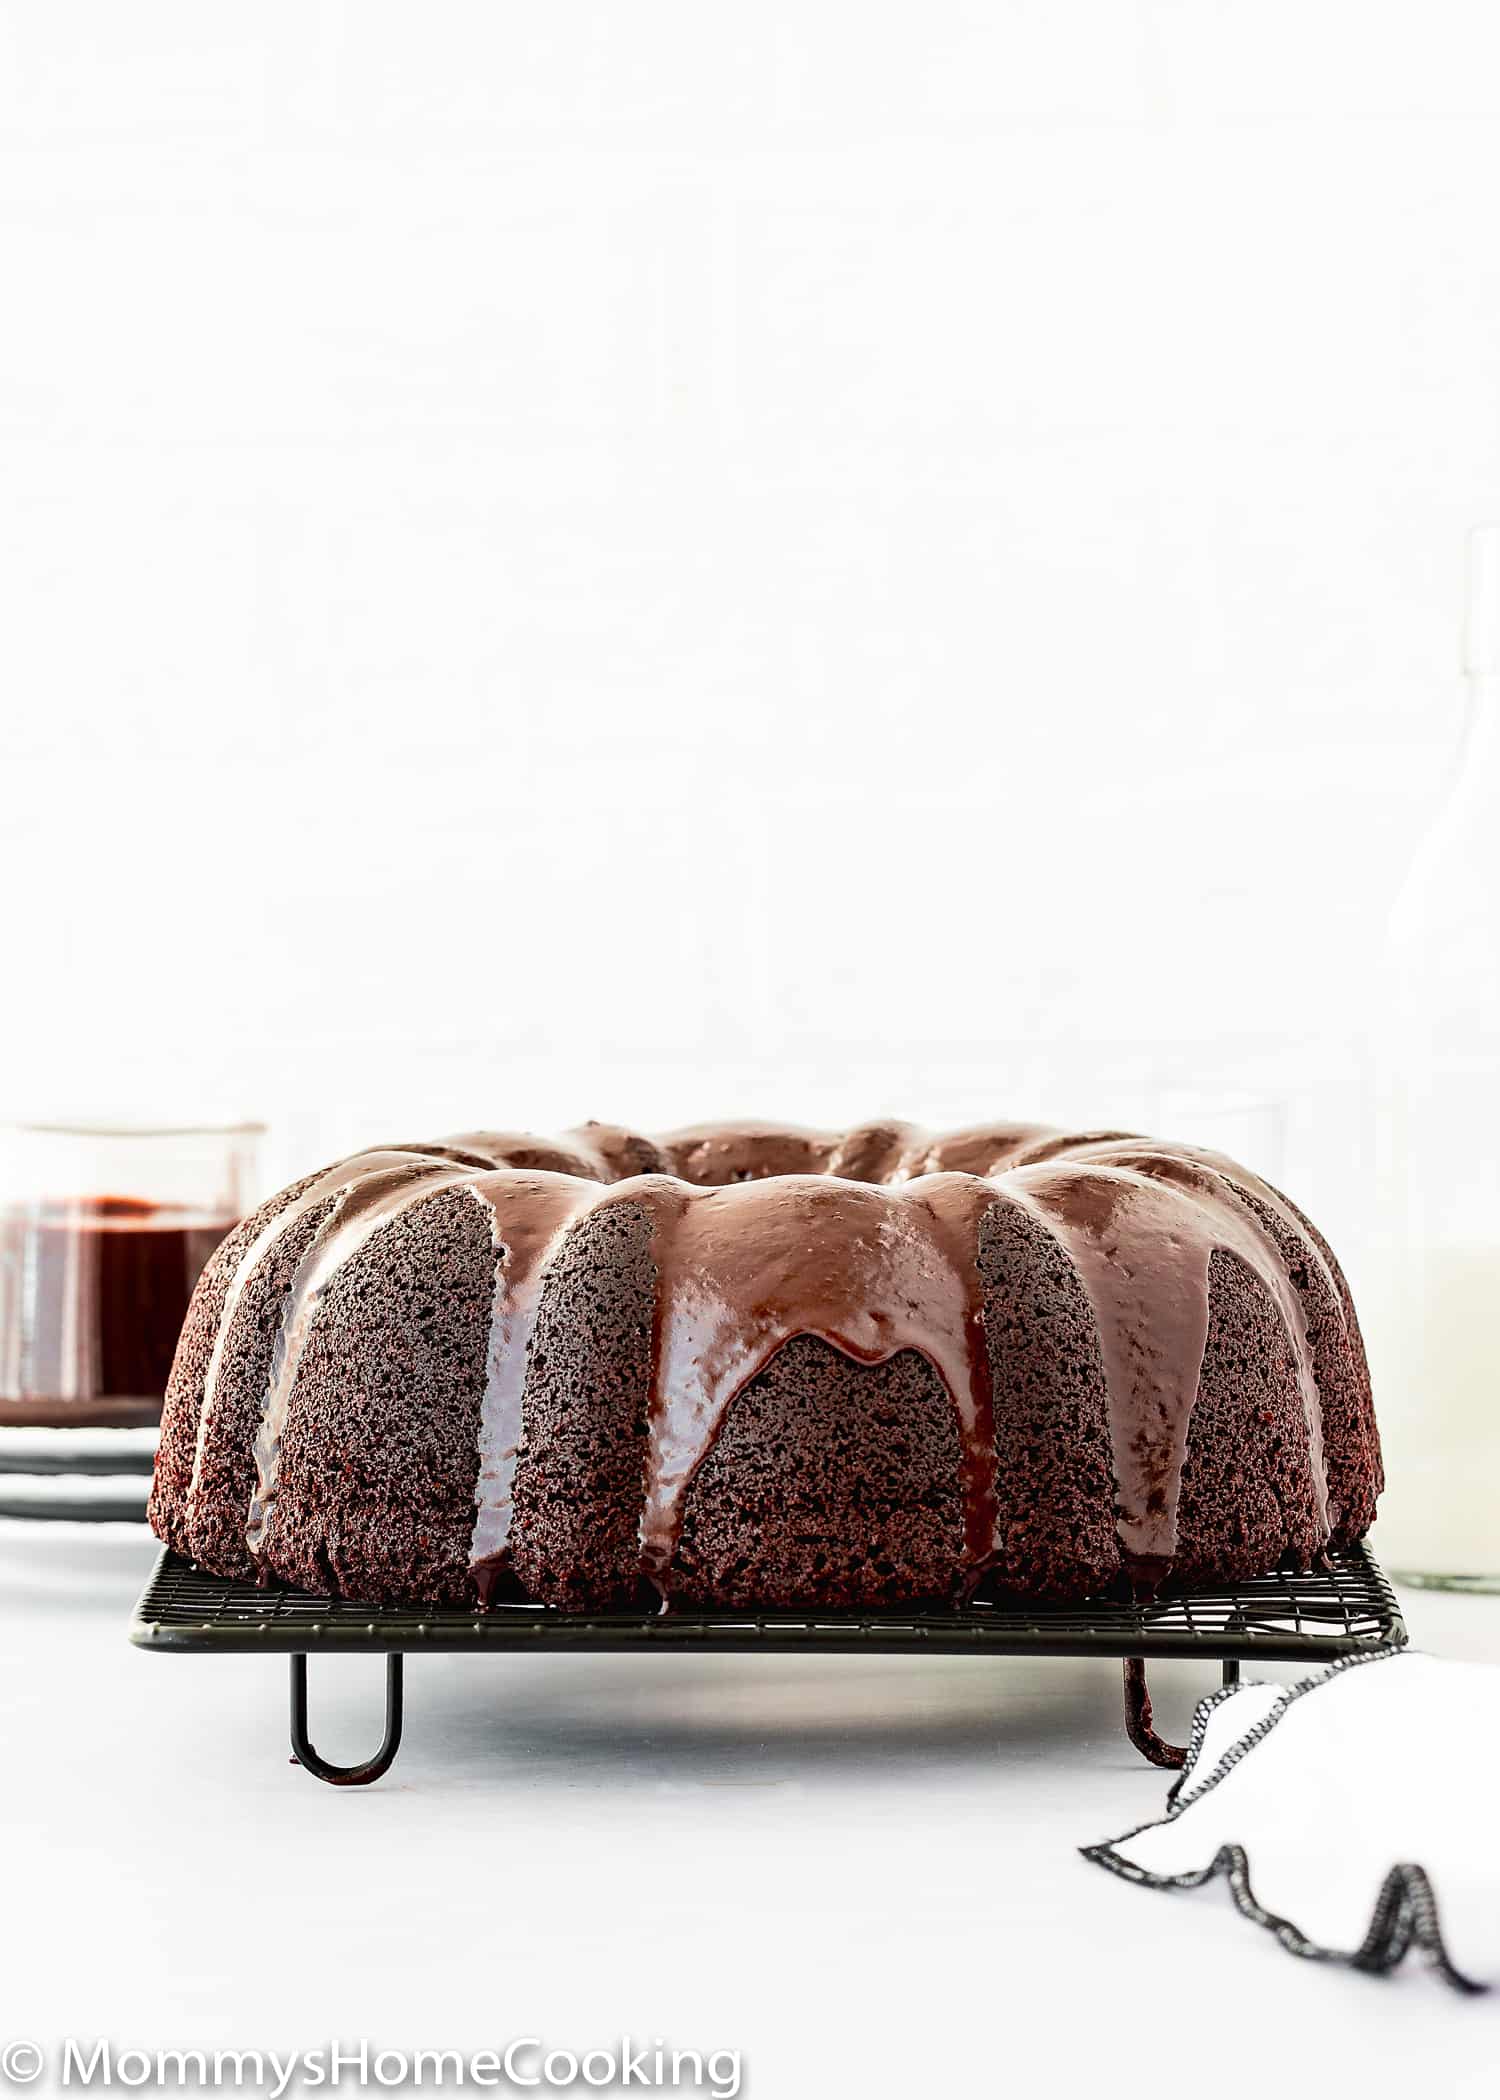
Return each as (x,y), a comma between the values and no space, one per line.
(746,1366)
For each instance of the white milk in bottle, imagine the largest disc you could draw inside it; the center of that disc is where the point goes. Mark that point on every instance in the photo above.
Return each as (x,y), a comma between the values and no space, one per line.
(1435,1328)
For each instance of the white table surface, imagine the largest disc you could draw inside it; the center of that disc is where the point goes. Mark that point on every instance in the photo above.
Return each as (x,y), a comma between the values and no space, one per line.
(859,1872)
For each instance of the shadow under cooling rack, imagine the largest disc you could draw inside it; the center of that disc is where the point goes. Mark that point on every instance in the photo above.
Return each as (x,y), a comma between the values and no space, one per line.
(1344,1608)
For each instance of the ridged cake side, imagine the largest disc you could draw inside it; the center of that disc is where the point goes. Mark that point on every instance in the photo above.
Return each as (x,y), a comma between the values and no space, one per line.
(177,1459)
(744,1365)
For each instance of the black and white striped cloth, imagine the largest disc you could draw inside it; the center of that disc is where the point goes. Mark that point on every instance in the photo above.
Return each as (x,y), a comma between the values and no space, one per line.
(1355,1815)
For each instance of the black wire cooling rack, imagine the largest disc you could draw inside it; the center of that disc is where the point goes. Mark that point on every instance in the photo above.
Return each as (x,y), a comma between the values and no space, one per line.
(1346,1607)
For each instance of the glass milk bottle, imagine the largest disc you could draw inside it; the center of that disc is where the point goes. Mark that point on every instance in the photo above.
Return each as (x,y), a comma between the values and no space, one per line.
(1437,1327)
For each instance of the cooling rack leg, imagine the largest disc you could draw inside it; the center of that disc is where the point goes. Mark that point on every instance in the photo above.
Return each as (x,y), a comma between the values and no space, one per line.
(1138,1719)
(346,1775)
(1231,1672)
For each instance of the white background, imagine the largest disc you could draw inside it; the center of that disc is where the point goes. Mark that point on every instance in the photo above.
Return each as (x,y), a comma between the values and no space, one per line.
(657,560)
(665,560)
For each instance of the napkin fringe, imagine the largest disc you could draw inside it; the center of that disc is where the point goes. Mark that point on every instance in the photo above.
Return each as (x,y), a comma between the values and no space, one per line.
(1406,1910)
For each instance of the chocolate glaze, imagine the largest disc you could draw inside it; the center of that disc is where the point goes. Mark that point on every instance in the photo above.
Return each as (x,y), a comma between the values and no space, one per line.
(711,1155)
(529,1213)
(865,1238)
(871,1271)
(1141,1227)
(92,1294)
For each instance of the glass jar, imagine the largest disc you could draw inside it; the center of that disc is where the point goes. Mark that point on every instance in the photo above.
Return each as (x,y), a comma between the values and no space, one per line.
(1435,1329)
(103,1233)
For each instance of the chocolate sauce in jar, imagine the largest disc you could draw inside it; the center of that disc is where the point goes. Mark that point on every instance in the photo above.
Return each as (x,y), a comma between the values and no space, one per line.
(93,1291)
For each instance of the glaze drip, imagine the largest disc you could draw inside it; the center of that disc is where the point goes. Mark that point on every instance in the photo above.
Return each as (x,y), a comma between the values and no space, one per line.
(1141,1229)
(529,1214)
(743,1269)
